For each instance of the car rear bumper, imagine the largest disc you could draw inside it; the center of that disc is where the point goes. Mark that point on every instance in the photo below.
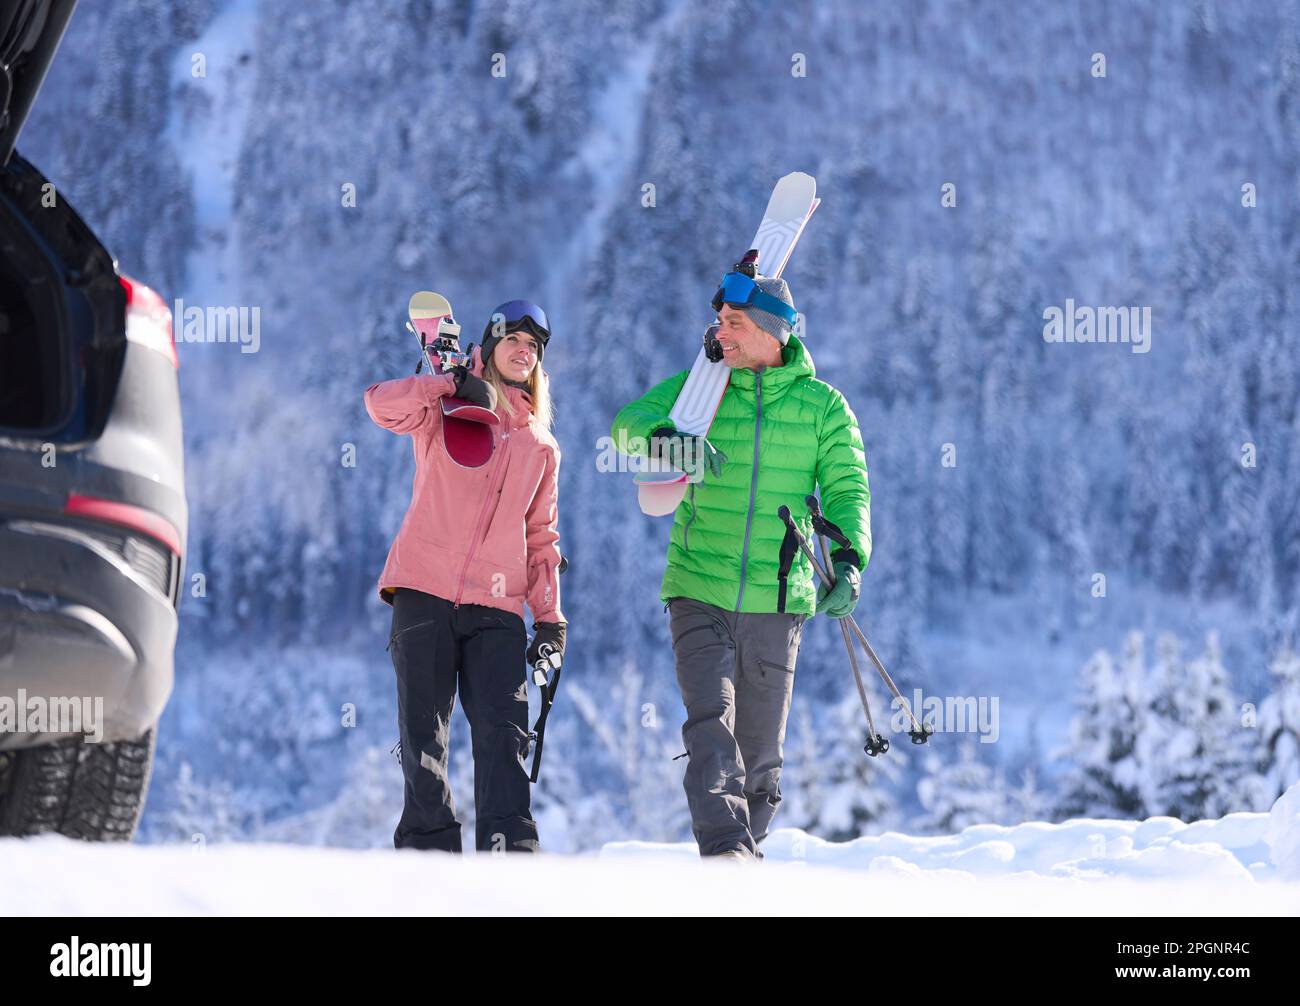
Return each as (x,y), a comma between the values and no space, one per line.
(86,616)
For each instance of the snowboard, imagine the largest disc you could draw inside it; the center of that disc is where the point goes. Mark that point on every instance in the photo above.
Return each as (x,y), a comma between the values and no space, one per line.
(791,205)
(466,427)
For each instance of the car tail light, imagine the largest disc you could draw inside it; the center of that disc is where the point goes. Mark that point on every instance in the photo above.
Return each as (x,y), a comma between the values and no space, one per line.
(148,320)
(125,515)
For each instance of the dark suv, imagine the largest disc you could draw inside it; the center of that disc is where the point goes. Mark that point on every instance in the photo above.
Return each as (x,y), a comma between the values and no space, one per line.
(92,493)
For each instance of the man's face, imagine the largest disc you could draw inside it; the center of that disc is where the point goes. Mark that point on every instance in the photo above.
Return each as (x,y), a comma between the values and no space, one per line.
(744,344)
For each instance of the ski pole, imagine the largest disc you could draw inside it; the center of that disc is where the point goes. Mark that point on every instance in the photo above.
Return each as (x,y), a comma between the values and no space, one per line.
(547,660)
(875,743)
(918,733)
(824,527)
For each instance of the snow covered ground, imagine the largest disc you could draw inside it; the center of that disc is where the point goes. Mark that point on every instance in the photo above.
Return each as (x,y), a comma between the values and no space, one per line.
(1242,864)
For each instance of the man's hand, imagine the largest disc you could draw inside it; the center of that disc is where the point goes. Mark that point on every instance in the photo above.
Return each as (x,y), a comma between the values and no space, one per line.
(685,450)
(840,600)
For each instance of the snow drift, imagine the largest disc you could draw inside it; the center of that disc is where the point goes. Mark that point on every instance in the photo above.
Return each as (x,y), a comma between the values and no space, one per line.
(1241,864)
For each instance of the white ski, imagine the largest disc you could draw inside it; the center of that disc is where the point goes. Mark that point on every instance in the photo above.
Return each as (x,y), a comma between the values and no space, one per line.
(793,201)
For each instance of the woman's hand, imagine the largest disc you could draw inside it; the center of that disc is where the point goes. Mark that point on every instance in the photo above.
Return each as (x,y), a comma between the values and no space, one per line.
(473,389)
(547,634)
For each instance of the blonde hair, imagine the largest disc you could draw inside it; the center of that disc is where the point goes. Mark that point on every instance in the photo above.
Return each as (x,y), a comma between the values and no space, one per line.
(538,389)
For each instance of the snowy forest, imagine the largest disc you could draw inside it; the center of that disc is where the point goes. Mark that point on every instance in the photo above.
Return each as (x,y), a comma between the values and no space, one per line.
(1099,546)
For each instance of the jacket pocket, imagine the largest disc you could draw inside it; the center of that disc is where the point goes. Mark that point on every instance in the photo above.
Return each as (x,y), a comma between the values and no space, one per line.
(498,574)
(707,627)
(399,640)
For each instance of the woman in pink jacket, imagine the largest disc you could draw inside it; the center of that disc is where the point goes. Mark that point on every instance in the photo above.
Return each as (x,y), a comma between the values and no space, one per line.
(475,546)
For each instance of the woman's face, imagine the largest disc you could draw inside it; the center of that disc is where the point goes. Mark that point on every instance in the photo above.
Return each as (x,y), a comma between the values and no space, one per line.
(515,356)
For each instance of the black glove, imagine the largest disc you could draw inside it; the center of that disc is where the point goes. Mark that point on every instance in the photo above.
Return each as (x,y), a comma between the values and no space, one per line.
(676,448)
(547,634)
(473,389)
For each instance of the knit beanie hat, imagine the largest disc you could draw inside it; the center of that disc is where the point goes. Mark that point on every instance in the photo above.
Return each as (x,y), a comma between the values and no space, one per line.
(772,324)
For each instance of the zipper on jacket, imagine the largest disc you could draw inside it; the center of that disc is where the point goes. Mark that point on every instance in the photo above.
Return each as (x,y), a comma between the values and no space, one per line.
(474,541)
(753,479)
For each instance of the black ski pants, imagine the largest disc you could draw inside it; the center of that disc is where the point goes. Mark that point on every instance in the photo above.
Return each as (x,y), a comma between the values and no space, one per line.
(436,648)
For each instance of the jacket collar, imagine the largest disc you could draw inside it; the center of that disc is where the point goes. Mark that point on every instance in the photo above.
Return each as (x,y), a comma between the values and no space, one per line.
(523,403)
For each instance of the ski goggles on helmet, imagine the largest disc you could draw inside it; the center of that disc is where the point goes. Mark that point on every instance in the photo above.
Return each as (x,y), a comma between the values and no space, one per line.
(521,313)
(739,290)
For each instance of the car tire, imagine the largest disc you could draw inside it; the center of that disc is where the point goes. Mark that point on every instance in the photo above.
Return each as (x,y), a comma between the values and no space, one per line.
(82,790)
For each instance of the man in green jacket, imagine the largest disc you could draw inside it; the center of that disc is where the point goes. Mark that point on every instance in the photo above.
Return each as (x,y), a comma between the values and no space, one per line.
(736,623)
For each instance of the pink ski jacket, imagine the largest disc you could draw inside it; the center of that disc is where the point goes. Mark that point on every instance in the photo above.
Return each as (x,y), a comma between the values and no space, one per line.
(474,535)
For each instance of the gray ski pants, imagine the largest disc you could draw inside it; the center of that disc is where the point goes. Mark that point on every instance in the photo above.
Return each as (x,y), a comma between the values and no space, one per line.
(736,675)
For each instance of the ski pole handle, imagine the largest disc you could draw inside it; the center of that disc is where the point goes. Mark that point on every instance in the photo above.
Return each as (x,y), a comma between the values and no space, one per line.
(815,509)
(822,526)
(547,661)
(821,550)
(784,514)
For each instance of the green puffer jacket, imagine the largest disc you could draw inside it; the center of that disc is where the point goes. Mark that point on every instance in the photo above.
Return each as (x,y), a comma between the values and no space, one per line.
(726,536)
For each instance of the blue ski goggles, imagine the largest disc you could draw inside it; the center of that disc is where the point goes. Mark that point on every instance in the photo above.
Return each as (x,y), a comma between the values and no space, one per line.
(738,290)
(517,312)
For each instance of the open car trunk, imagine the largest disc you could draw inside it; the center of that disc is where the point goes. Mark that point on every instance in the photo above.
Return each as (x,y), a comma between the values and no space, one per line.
(30,32)
(62,333)
(35,377)
(62,316)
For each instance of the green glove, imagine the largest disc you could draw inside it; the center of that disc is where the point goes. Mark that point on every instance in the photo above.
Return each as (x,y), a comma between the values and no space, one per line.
(840,600)
(677,448)
(713,457)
